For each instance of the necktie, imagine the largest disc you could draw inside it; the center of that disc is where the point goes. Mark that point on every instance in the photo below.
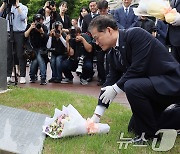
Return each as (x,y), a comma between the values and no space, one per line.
(126,12)
(118,54)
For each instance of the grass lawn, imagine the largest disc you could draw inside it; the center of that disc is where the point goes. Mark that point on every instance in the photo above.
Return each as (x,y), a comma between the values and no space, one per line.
(117,116)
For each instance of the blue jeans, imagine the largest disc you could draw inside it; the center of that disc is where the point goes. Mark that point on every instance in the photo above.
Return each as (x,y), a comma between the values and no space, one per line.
(56,66)
(87,69)
(39,61)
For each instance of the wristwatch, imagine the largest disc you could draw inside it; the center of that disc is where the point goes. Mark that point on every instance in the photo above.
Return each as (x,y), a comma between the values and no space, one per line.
(17,7)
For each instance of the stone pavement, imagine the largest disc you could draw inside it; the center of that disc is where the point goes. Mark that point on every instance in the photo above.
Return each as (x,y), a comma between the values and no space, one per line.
(91,89)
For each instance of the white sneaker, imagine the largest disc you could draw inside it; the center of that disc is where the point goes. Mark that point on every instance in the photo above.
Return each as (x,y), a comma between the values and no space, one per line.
(22,80)
(9,79)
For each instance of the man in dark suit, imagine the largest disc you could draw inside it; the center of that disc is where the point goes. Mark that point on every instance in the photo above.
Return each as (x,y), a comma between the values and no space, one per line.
(93,13)
(174,31)
(125,16)
(140,66)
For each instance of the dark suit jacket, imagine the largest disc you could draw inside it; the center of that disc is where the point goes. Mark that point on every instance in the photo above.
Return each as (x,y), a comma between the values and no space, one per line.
(86,21)
(144,57)
(124,22)
(147,24)
(66,23)
(162,29)
(174,31)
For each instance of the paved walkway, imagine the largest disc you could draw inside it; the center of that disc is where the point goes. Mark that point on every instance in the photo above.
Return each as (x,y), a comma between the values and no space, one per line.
(91,89)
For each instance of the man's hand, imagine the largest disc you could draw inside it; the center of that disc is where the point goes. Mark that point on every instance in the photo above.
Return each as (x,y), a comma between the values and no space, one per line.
(79,38)
(176,22)
(33,25)
(52,33)
(46,4)
(68,37)
(108,95)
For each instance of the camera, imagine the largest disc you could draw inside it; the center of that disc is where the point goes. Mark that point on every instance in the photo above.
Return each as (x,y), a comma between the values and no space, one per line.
(80,65)
(56,27)
(38,25)
(37,18)
(73,32)
(52,3)
(72,41)
(10,2)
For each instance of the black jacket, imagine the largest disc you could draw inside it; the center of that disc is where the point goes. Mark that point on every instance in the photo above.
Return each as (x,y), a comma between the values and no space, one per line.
(66,23)
(146,24)
(59,47)
(37,40)
(86,21)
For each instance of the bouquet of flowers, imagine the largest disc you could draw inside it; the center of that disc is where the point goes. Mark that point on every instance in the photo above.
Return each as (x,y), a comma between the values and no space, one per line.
(69,122)
(160,9)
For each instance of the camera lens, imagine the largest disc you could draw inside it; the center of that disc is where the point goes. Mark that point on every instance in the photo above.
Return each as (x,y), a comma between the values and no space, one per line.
(57,32)
(38,25)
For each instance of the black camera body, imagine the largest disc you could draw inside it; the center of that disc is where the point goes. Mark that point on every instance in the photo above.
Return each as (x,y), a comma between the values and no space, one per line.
(10,2)
(37,18)
(38,25)
(52,3)
(73,32)
(56,27)
(57,31)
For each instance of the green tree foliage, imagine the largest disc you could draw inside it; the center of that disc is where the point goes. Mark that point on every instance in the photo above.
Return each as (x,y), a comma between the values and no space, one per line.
(33,7)
(24,1)
(73,6)
(77,6)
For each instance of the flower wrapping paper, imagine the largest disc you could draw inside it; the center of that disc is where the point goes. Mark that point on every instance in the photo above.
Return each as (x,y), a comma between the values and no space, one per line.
(159,9)
(69,122)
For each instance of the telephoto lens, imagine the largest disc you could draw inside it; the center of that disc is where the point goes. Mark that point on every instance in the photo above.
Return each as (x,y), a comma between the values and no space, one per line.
(80,65)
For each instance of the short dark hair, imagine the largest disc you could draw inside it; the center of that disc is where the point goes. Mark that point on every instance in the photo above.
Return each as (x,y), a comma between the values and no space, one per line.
(101,22)
(92,1)
(38,17)
(63,3)
(102,4)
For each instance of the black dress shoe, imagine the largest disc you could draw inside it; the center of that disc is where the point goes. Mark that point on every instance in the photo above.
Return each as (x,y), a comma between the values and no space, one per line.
(57,81)
(43,82)
(51,80)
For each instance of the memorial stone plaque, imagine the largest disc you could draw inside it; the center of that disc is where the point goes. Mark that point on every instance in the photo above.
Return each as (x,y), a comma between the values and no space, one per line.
(3,54)
(21,131)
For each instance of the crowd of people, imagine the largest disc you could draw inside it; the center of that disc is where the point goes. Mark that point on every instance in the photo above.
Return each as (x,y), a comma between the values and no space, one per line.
(66,43)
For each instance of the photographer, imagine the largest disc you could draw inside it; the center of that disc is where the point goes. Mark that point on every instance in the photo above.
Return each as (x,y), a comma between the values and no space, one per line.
(49,13)
(16,14)
(80,51)
(57,45)
(38,38)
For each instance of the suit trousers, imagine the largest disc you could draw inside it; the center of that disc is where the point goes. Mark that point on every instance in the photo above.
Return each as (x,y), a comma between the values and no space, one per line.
(176,52)
(100,65)
(147,105)
(17,49)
